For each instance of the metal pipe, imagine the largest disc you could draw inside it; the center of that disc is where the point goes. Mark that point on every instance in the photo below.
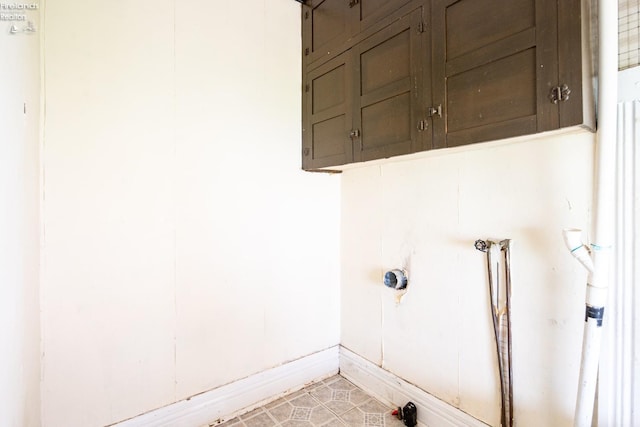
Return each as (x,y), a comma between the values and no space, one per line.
(493,250)
(506,247)
(500,299)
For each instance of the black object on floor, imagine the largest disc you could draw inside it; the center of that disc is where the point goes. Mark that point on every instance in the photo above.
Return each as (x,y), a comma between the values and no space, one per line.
(408,414)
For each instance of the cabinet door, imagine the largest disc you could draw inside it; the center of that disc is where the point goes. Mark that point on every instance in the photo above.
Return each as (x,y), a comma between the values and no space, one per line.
(389,90)
(327,26)
(327,114)
(495,63)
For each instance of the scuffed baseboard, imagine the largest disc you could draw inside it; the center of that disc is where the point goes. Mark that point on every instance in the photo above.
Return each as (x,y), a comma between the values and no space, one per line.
(388,388)
(241,396)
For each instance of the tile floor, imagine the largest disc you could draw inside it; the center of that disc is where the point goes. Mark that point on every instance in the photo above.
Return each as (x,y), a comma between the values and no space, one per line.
(334,402)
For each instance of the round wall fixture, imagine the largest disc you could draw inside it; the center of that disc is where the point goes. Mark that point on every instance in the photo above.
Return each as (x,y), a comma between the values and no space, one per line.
(395,279)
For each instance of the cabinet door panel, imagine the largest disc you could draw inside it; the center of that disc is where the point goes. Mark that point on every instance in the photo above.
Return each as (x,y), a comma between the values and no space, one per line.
(508,46)
(327,113)
(499,91)
(472,24)
(386,63)
(386,125)
(387,101)
(327,27)
(329,89)
(329,138)
(370,12)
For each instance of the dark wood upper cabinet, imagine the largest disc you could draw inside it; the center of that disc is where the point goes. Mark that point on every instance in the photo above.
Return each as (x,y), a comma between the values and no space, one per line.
(387,78)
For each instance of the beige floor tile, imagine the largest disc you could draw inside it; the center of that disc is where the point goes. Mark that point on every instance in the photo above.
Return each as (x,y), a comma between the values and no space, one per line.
(304,401)
(260,420)
(296,423)
(392,420)
(296,394)
(251,414)
(281,412)
(340,384)
(323,394)
(274,403)
(321,416)
(334,402)
(358,397)
(354,418)
(372,407)
(339,407)
(334,423)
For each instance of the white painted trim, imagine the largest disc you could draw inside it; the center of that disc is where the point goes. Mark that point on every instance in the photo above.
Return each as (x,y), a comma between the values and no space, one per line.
(390,389)
(619,374)
(243,395)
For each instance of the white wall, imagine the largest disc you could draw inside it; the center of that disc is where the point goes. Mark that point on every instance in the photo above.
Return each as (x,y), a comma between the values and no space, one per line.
(425,214)
(184,247)
(19,228)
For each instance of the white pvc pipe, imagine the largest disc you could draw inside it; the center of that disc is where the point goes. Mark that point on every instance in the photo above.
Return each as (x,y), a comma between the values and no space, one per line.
(604,198)
(573,241)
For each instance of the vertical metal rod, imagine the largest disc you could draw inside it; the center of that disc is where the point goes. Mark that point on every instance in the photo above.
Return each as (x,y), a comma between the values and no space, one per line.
(505,244)
(501,318)
(494,295)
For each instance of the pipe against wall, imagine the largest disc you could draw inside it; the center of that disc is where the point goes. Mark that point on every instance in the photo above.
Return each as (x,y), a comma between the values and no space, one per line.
(604,197)
(500,298)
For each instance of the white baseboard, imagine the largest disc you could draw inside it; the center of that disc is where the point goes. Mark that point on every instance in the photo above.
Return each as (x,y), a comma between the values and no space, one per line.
(246,394)
(390,389)
(243,395)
